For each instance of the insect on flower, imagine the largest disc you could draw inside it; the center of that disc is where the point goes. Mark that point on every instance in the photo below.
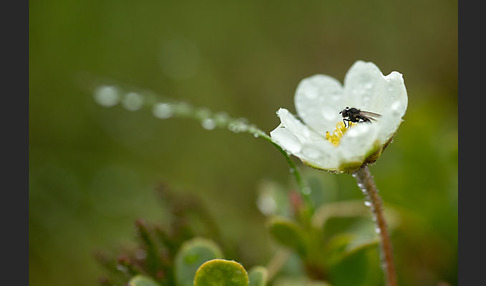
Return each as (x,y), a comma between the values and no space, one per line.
(318,134)
(356,115)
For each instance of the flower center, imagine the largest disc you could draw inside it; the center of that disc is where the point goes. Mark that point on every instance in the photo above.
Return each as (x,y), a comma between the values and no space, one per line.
(335,137)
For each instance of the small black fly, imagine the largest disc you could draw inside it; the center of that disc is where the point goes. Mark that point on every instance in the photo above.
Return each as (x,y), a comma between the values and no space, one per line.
(355,115)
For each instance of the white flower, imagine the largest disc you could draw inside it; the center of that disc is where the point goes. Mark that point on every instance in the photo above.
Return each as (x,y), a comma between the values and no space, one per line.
(318,101)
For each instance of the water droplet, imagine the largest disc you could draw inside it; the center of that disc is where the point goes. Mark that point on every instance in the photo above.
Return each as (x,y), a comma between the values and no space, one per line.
(162,110)
(182,108)
(238,126)
(132,101)
(107,96)
(311,152)
(329,113)
(306,191)
(377,230)
(208,123)
(267,205)
(221,118)
(367,203)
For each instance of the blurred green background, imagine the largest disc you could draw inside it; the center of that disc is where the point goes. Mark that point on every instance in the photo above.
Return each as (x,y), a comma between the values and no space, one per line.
(93,170)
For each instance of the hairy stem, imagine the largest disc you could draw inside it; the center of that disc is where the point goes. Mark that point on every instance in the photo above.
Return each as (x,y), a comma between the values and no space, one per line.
(367,185)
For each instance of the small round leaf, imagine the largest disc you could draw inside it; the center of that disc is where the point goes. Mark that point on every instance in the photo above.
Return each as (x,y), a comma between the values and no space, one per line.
(221,272)
(140,280)
(192,254)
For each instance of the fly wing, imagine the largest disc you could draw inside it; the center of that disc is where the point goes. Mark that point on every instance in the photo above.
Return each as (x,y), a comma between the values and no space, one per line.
(370,115)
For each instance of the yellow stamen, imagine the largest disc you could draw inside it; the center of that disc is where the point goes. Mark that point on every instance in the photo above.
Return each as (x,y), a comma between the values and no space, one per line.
(335,137)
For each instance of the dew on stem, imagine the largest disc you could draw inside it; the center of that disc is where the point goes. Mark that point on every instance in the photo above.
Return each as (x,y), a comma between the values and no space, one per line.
(107,96)
(162,110)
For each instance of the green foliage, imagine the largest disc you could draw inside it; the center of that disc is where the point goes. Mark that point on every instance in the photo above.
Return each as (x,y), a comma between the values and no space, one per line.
(287,233)
(92,169)
(191,256)
(140,280)
(358,267)
(221,272)
(258,276)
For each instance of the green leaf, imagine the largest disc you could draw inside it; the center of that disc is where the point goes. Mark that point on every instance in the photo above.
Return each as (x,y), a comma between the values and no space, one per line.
(360,266)
(258,276)
(287,233)
(140,280)
(221,272)
(191,256)
(298,281)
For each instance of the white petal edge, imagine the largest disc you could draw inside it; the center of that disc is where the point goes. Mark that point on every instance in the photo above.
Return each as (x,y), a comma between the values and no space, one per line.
(286,139)
(318,100)
(300,130)
(365,87)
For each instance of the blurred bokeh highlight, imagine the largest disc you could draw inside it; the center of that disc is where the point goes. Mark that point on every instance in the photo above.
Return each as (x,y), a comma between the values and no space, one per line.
(93,170)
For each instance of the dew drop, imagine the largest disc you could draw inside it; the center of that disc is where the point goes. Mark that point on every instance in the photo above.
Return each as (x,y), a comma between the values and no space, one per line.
(367,203)
(182,108)
(132,101)
(238,126)
(162,110)
(106,96)
(208,123)
(267,205)
(329,113)
(306,191)
(311,153)
(221,118)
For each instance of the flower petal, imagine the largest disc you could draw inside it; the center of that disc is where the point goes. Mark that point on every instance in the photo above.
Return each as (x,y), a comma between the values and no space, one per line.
(365,86)
(301,131)
(396,101)
(358,142)
(286,139)
(321,156)
(390,122)
(396,94)
(318,100)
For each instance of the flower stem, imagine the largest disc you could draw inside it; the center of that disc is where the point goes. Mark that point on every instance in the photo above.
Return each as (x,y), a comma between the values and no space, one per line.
(367,185)
(301,184)
(168,108)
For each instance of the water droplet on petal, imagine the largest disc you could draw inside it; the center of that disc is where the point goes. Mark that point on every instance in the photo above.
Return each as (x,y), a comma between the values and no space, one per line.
(311,153)
(329,113)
